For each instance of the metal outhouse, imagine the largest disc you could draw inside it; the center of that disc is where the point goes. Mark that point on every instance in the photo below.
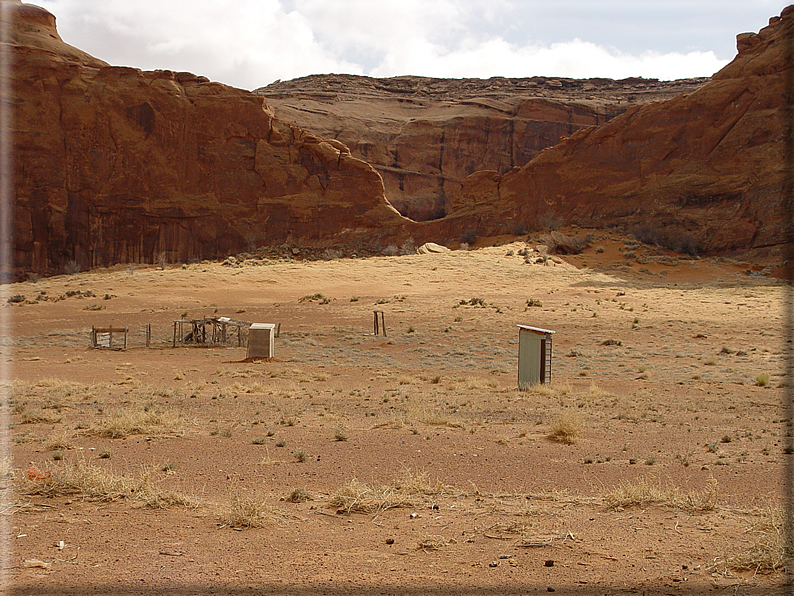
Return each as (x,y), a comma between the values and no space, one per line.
(260,340)
(534,356)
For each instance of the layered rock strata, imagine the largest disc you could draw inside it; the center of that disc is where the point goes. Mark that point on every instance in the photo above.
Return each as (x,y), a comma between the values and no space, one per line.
(115,165)
(703,168)
(425,135)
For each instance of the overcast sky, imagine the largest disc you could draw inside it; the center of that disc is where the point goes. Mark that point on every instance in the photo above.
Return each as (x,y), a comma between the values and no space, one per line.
(250,43)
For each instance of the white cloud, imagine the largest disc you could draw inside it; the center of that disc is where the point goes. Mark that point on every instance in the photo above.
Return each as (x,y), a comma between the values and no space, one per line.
(246,43)
(575,59)
(249,43)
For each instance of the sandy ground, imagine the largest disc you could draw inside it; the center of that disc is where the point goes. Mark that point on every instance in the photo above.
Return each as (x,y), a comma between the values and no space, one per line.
(424,470)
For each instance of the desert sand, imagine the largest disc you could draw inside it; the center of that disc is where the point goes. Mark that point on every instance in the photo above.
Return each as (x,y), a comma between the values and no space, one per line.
(406,464)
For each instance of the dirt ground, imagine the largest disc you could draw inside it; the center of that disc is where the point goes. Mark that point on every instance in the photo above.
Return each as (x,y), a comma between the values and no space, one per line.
(406,464)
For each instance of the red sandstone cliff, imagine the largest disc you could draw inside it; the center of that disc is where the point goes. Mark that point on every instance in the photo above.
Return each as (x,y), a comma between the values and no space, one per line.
(707,165)
(114,165)
(425,135)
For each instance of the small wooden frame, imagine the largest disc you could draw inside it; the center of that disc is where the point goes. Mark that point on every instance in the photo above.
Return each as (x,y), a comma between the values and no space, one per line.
(102,337)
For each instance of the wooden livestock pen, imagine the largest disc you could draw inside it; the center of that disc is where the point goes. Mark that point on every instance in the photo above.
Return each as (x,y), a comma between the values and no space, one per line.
(209,331)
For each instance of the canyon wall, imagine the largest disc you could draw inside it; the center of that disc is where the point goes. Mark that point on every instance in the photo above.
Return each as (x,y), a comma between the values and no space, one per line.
(115,165)
(703,168)
(425,135)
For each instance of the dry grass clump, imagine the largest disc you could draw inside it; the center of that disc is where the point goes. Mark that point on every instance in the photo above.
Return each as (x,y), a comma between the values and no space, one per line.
(53,390)
(38,416)
(596,391)
(58,441)
(430,542)
(99,484)
(477,383)
(651,491)
(408,490)
(566,427)
(424,413)
(250,511)
(299,495)
(767,549)
(244,373)
(127,422)
(554,390)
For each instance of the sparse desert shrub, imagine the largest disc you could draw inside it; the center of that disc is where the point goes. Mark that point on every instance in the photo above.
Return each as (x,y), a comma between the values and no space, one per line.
(37,416)
(646,233)
(762,380)
(430,542)
(332,254)
(468,237)
(550,221)
(566,427)
(408,247)
(407,490)
(340,435)
(127,422)
(301,456)
(299,495)
(767,549)
(71,267)
(647,491)
(250,511)
(390,250)
(99,484)
(686,245)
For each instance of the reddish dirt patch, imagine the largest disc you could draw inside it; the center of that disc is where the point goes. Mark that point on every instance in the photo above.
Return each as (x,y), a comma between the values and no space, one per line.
(469,496)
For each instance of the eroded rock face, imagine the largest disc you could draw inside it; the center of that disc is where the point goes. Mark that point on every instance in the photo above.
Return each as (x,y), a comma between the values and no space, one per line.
(425,135)
(115,165)
(704,167)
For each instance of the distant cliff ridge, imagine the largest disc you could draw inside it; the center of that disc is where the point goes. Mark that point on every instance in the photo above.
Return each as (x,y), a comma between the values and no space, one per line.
(115,165)
(705,166)
(425,135)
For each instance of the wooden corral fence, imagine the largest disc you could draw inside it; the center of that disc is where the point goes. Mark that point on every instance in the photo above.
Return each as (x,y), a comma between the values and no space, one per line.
(102,337)
(209,331)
